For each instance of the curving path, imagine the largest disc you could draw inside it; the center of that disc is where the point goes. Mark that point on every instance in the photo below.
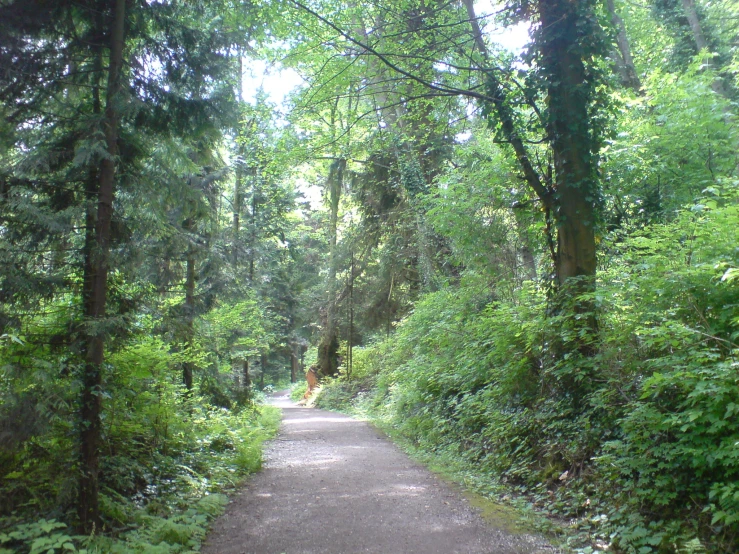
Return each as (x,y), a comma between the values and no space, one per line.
(333,485)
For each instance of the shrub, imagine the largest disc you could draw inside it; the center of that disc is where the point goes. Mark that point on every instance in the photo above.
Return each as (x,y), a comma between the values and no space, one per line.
(644,454)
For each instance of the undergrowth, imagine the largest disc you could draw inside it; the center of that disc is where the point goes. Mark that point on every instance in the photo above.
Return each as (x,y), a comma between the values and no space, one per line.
(632,445)
(297,390)
(161,503)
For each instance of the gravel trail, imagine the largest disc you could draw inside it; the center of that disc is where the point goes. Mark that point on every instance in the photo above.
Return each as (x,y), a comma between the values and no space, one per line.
(333,485)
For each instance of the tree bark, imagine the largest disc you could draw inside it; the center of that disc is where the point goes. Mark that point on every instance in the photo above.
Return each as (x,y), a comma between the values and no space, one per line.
(239,173)
(695,24)
(625,61)
(187,366)
(236,217)
(529,262)
(572,196)
(328,347)
(246,378)
(573,149)
(294,365)
(88,507)
(700,41)
(350,342)
(253,230)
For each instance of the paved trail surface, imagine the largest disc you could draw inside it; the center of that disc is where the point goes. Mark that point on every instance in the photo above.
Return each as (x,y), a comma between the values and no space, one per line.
(333,485)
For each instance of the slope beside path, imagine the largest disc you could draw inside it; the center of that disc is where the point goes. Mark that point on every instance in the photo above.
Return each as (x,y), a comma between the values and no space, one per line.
(333,485)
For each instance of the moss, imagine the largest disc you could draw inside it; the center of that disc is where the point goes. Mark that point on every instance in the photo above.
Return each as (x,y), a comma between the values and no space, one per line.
(499,515)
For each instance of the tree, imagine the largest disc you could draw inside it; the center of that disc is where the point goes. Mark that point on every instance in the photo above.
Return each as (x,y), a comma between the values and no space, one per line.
(98,150)
(95,289)
(567,37)
(328,347)
(624,59)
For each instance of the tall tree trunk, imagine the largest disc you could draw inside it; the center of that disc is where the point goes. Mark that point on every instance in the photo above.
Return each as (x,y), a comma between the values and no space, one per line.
(625,61)
(573,150)
(263,363)
(92,189)
(695,24)
(569,129)
(529,262)
(328,346)
(253,230)
(525,250)
(294,365)
(236,217)
(189,332)
(350,355)
(88,507)
(246,378)
(700,41)
(388,320)
(572,196)
(166,271)
(239,173)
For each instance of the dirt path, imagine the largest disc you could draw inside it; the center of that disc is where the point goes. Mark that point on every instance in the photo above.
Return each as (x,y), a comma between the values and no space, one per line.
(333,485)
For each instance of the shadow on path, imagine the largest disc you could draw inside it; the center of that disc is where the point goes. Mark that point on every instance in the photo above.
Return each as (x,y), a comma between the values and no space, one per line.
(332,485)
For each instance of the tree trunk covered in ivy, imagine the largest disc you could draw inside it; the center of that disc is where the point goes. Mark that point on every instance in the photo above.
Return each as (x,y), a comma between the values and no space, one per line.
(565,40)
(96,293)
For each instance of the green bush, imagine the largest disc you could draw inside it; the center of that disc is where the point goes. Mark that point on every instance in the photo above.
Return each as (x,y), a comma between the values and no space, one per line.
(336,394)
(162,484)
(636,441)
(298,390)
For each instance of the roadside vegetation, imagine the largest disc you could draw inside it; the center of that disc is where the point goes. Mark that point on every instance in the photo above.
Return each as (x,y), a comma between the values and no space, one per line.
(646,457)
(169,465)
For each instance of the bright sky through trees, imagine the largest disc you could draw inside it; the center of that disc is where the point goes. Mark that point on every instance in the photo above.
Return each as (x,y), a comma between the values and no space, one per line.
(278,82)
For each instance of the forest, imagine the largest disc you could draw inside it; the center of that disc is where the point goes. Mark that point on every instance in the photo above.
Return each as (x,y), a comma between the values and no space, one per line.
(505,231)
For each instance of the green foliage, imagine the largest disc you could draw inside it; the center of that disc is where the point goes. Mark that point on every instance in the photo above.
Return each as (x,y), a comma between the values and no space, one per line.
(442,249)
(239,326)
(669,146)
(673,465)
(39,537)
(478,195)
(166,456)
(645,457)
(297,390)
(340,393)
(164,489)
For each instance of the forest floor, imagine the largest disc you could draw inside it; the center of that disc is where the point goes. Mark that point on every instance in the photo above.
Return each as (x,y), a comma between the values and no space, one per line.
(332,484)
